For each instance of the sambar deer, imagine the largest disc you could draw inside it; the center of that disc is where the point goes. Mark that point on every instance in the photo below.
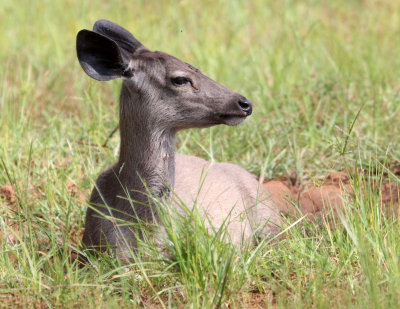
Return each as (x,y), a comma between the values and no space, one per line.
(160,96)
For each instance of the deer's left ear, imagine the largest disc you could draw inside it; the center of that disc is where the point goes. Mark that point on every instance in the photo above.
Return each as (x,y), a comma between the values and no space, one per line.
(128,44)
(100,57)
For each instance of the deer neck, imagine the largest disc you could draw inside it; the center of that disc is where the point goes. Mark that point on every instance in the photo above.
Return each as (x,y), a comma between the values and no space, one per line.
(147,154)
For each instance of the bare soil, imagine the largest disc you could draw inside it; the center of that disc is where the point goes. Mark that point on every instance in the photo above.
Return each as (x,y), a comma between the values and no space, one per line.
(7,193)
(294,199)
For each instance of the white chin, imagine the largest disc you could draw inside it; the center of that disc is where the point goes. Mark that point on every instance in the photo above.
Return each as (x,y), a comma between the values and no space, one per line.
(233,121)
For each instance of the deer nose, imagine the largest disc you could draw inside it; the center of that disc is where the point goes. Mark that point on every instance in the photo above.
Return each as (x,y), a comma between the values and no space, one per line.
(245,105)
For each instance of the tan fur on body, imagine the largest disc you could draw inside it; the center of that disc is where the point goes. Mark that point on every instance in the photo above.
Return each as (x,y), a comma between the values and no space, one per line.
(225,189)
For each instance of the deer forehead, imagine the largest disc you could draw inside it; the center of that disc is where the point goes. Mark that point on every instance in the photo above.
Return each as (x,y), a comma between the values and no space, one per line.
(175,64)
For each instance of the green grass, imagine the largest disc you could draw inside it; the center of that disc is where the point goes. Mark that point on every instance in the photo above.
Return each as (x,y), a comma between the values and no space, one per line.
(324,78)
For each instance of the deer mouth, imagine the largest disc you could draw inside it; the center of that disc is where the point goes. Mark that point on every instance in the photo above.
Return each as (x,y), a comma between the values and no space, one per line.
(232,119)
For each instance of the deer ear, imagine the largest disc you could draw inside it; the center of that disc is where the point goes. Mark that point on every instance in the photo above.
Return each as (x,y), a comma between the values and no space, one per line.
(124,39)
(101,57)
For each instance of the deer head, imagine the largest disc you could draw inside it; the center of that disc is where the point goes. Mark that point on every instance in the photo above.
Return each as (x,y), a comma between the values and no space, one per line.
(176,94)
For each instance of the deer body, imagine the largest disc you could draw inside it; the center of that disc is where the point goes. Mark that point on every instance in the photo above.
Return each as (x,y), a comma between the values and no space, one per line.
(161,95)
(222,189)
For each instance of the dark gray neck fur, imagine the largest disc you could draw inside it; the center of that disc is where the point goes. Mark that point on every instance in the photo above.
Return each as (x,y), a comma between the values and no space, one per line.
(147,148)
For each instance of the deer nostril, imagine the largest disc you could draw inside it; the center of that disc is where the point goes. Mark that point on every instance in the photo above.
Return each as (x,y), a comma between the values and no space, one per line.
(245,105)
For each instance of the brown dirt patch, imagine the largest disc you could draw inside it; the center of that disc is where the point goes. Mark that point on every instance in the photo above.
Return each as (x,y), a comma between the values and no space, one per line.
(8,199)
(7,193)
(74,191)
(253,300)
(327,196)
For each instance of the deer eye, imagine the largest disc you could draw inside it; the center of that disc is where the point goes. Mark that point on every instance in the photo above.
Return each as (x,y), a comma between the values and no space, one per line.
(180,81)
